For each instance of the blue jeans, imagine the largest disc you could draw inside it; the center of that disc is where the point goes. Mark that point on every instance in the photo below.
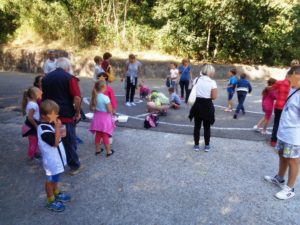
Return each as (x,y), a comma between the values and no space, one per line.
(70,145)
(241,98)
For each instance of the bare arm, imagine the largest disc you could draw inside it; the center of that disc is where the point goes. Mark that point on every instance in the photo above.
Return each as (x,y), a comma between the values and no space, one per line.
(214,94)
(57,126)
(109,108)
(31,119)
(77,105)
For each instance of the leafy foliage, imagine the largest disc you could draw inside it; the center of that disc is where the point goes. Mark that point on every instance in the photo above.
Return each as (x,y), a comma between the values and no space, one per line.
(249,31)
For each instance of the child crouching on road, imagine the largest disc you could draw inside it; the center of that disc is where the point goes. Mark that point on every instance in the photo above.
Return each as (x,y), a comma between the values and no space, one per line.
(288,143)
(175,100)
(50,132)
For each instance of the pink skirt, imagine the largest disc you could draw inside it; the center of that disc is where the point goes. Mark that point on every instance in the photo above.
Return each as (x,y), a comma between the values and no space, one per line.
(102,122)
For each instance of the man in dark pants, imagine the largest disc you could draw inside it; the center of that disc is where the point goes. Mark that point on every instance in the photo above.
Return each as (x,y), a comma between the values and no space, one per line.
(61,87)
(282,87)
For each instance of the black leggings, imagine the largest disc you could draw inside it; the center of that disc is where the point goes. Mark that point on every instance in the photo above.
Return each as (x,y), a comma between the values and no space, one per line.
(277,113)
(130,90)
(197,128)
(184,86)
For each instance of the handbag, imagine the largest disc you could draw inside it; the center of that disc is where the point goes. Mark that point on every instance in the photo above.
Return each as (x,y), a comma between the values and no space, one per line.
(111,75)
(192,95)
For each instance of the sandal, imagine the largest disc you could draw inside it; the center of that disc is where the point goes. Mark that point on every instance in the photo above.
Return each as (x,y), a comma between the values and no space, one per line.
(97,153)
(112,152)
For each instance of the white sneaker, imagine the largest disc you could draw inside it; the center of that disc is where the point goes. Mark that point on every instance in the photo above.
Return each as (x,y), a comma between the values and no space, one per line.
(285,193)
(132,104)
(128,104)
(257,129)
(273,180)
(265,132)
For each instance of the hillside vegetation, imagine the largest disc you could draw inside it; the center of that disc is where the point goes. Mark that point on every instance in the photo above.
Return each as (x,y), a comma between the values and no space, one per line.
(239,31)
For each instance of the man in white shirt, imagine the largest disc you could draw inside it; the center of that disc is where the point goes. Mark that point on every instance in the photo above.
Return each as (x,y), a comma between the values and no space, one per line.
(288,143)
(50,63)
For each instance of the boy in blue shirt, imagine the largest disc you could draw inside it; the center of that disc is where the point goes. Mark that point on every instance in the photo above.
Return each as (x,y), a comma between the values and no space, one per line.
(175,100)
(243,88)
(231,88)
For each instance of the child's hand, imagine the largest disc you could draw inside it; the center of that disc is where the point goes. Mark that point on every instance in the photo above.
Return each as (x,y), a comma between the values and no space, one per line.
(57,124)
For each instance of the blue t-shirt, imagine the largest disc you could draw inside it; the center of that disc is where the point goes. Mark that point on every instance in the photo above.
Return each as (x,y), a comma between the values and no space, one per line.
(102,101)
(175,98)
(232,81)
(184,72)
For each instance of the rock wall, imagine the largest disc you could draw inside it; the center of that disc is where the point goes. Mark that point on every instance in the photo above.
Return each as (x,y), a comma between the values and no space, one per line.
(31,61)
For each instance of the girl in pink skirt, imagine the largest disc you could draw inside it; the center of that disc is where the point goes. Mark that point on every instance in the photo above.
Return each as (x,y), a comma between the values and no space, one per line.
(102,123)
(269,97)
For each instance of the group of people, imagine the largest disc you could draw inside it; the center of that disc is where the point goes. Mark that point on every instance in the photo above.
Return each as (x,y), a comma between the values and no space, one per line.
(52,107)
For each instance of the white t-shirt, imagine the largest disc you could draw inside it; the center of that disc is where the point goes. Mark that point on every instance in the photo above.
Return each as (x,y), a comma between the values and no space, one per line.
(98,69)
(204,85)
(54,158)
(33,105)
(174,73)
(49,66)
(133,68)
(289,126)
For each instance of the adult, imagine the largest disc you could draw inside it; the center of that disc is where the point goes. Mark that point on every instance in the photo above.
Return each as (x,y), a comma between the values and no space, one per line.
(98,69)
(283,88)
(185,77)
(61,87)
(203,110)
(50,63)
(132,72)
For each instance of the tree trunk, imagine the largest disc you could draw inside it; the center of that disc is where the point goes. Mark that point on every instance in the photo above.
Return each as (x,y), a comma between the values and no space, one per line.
(208,40)
(124,20)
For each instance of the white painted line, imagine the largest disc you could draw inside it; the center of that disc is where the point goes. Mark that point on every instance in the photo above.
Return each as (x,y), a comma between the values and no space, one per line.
(223,107)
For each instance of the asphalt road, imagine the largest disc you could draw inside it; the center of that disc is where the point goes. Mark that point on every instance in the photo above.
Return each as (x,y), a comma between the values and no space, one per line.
(12,84)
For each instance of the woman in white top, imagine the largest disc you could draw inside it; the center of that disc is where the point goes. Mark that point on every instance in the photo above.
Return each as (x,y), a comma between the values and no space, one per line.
(203,110)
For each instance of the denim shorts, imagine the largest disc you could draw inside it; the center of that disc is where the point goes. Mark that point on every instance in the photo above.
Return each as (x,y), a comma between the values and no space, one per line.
(289,151)
(53,178)
(230,95)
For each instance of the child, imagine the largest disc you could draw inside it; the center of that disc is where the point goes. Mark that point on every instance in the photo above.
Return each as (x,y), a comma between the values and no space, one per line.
(269,97)
(231,88)
(102,123)
(288,142)
(109,92)
(243,88)
(158,103)
(144,91)
(175,100)
(98,69)
(54,157)
(106,66)
(174,75)
(30,108)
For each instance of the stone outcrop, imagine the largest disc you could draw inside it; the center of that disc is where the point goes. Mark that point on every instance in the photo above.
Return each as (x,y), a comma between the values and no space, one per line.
(31,61)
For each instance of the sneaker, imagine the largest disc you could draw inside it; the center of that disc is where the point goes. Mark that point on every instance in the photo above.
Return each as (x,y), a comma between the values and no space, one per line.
(207,148)
(128,104)
(265,132)
(62,197)
(196,148)
(228,110)
(285,193)
(37,156)
(273,180)
(256,128)
(235,116)
(73,172)
(56,206)
(244,112)
(132,104)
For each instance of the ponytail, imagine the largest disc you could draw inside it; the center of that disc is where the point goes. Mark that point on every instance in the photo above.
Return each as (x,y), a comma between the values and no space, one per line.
(99,85)
(24,101)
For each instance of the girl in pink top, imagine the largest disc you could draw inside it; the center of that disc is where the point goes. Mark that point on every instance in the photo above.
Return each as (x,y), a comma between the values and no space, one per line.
(269,96)
(109,92)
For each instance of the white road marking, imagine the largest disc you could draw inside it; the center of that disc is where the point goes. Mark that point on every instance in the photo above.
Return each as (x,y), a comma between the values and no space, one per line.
(247,111)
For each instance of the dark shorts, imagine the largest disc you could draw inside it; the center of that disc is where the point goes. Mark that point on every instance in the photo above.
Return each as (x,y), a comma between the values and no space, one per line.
(230,95)
(53,178)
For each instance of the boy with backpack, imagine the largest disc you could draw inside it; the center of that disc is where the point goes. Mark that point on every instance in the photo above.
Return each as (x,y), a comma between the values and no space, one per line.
(288,141)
